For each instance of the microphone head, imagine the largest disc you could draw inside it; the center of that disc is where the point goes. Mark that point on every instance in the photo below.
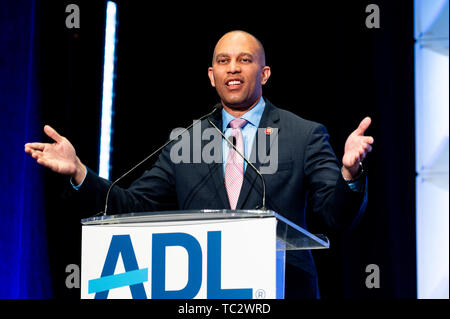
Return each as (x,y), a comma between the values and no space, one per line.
(233,140)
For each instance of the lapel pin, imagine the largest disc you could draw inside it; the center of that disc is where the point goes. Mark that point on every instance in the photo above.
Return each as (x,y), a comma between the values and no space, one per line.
(268,130)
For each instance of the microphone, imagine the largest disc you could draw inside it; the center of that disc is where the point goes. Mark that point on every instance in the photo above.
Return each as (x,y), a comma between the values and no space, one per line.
(216,107)
(232,144)
(233,140)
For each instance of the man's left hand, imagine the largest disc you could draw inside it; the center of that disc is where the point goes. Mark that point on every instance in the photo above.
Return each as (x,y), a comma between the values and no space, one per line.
(356,148)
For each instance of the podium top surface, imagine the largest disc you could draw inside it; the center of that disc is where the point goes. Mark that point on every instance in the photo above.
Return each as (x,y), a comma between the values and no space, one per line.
(176,215)
(289,235)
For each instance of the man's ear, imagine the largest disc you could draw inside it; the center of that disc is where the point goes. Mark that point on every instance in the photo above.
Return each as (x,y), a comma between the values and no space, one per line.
(211,76)
(265,74)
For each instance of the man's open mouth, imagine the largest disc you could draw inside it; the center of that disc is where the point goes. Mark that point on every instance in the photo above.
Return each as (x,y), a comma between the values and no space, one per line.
(233,83)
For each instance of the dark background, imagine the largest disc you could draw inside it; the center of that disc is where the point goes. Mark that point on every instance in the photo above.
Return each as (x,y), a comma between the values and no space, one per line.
(326,66)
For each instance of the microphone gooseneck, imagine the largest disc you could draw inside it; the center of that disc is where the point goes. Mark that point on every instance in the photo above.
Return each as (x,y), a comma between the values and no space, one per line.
(263,205)
(151,155)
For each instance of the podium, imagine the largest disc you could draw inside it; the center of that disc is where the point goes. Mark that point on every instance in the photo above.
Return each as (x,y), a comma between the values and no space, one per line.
(206,254)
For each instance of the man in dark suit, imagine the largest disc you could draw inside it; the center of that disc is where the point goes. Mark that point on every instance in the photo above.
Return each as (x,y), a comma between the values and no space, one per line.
(306,168)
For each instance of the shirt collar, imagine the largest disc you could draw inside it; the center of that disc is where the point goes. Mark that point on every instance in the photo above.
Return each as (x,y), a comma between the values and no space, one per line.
(253,116)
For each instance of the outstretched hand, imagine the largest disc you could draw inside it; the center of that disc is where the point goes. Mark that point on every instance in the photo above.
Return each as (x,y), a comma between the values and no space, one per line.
(356,148)
(59,156)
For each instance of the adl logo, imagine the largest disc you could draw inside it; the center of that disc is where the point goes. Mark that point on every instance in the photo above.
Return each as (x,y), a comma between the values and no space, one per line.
(135,277)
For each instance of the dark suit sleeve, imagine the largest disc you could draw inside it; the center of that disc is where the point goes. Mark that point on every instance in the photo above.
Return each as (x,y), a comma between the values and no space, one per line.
(153,191)
(330,195)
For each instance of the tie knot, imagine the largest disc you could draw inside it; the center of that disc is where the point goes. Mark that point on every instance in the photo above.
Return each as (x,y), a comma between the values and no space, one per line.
(238,123)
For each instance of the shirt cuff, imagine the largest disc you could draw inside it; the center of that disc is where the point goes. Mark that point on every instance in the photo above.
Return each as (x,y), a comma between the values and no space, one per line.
(356,186)
(77,187)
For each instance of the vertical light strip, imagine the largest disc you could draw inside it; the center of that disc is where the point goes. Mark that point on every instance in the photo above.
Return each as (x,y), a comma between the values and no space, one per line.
(432,150)
(108,90)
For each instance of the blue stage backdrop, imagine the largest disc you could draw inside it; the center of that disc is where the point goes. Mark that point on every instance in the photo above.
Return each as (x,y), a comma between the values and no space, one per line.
(24,267)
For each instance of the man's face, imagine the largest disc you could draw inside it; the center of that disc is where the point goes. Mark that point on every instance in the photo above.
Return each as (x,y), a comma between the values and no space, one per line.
(238,70)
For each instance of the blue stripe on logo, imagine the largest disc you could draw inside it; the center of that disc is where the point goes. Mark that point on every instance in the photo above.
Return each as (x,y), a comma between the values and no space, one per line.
(120,280)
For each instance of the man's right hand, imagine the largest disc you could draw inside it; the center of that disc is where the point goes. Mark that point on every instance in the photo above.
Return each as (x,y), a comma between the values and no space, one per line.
(60,156)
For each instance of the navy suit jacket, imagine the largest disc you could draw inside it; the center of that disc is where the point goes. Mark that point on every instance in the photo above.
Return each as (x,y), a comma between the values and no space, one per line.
(308,173)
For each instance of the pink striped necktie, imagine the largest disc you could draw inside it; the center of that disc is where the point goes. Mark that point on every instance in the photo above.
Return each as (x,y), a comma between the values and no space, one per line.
(234,169)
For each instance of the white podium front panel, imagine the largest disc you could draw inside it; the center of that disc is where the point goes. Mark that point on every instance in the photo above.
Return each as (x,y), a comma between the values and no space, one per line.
(223,259)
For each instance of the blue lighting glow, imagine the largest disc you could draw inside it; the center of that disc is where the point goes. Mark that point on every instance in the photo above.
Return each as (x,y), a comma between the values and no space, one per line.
(108,90)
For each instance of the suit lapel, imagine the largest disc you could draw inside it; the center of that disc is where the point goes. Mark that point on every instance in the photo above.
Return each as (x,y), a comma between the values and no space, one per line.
(216,169)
